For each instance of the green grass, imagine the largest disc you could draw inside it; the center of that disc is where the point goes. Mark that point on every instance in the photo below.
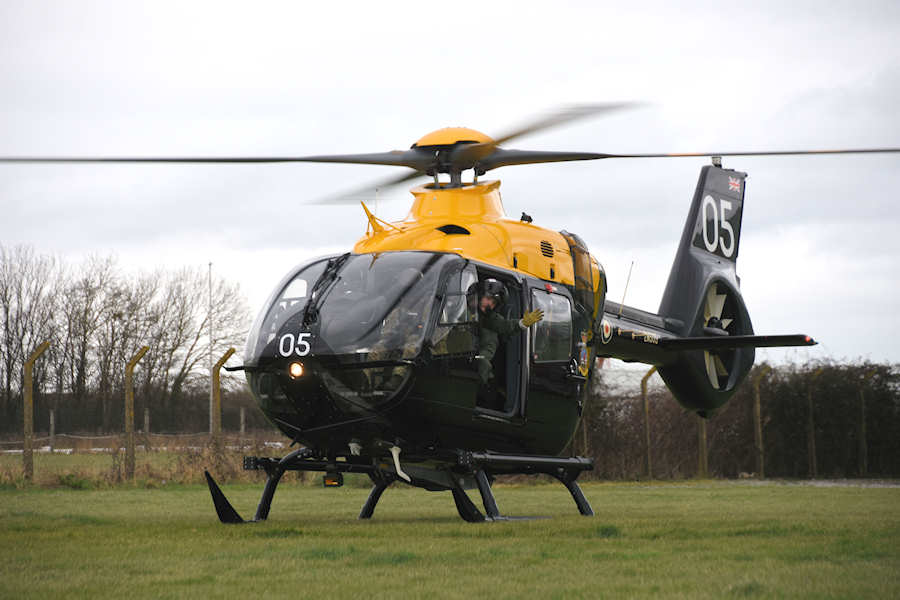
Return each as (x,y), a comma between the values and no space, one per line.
(685,540)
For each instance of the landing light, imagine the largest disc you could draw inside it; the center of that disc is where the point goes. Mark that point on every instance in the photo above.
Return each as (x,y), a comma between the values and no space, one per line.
(295,370)
(333,479)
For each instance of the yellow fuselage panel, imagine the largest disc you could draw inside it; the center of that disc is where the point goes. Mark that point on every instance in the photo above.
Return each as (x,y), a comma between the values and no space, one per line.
(492,238)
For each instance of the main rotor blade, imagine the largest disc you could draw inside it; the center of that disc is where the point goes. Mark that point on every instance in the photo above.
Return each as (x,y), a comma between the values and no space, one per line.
(419,159)
(758,153)
(501,157)
(367,193)
(562,116)
(414,158)
(148,159)
(466,156)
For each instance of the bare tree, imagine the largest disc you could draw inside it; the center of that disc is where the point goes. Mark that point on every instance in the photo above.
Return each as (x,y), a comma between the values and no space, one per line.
(26,305)
(96,318)
(180,340)
(126,323)
(84,303)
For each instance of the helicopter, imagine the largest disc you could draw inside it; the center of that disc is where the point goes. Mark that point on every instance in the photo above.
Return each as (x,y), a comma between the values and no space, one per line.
(366,359)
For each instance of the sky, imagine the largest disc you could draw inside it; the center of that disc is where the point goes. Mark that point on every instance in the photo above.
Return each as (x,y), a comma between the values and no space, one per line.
(820,244)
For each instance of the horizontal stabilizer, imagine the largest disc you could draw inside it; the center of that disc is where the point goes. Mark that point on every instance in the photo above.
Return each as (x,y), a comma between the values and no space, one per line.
(736,341)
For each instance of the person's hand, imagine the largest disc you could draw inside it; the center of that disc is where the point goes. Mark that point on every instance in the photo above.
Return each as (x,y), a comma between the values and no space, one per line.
(530,318)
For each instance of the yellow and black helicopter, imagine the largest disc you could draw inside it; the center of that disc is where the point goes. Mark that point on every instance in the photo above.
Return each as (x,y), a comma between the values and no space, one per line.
(365,359)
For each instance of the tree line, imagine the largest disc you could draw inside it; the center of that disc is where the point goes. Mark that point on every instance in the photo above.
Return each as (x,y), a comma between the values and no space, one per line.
(615,426)
(96,317)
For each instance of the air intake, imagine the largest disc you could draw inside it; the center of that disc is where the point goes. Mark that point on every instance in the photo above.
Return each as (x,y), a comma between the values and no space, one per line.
(547,249)
(453,229)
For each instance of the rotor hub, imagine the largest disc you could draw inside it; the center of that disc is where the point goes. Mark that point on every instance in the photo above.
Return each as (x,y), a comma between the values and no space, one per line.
(448,136)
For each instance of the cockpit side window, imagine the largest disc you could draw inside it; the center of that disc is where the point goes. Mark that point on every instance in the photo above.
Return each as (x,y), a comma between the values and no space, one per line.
(295,295)
(292,299)
(456,309)
(296,290)
(454,333)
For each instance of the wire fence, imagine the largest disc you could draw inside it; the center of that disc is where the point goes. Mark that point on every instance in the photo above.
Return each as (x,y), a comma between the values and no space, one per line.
(67,443)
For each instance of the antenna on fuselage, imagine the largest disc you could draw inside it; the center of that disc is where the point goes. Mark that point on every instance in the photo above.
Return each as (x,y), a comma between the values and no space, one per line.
(627,281)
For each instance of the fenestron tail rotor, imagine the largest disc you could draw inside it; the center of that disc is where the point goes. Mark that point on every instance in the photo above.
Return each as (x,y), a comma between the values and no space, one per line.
(716,321)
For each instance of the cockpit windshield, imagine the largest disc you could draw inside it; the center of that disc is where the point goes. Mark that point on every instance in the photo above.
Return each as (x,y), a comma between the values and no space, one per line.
(380,303)
(376,305)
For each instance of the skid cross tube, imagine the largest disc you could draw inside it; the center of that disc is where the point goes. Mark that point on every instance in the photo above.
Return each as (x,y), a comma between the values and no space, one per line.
(482,464)
(480,467)
(491,512)
(298,460)
(584,507)
(380,482)
(464,506)
(374,496)
(274,476)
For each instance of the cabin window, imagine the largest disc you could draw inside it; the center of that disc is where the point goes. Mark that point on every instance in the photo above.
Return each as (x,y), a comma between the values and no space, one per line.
(584,281)
(551,337)
(454,332)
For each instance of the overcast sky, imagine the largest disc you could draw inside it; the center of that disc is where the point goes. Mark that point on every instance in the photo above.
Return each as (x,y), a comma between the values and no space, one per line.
(821,235)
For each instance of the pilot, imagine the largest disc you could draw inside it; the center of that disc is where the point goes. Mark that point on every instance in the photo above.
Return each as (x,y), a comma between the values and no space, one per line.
(491,296)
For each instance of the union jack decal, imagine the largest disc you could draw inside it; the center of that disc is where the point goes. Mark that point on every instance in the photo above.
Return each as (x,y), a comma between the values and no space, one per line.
(734,184)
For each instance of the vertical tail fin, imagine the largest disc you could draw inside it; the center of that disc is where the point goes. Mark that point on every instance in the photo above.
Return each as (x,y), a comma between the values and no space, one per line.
(702,296)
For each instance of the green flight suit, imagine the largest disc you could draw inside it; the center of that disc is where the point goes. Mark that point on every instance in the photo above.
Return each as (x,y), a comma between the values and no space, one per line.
(491,326)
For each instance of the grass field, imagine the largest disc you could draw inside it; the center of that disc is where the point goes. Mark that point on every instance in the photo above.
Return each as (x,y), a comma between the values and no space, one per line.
(689,540)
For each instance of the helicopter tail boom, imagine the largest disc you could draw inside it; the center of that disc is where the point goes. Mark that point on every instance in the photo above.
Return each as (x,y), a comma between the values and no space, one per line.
(702,339)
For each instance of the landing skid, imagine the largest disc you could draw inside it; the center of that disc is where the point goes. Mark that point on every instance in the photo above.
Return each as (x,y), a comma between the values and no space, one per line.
(483,464)
(478,466)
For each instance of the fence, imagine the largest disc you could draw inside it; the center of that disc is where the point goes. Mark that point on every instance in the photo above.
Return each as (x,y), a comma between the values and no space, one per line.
(69,442)
(837,420)
(128,439)
(850,411)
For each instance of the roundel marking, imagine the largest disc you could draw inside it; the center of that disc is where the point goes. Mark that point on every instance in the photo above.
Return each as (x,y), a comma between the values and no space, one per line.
(605,331)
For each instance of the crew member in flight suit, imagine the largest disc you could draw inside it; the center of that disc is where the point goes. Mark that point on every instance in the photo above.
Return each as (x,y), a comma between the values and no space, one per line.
(492,295)
(401,331)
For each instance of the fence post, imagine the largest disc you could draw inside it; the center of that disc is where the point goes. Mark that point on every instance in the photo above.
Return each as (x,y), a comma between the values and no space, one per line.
(28,425)
(147,429)
(863,445)
(811,427)
(757,423)
(644,379)
(216,418)
(129,411)
(52,431)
